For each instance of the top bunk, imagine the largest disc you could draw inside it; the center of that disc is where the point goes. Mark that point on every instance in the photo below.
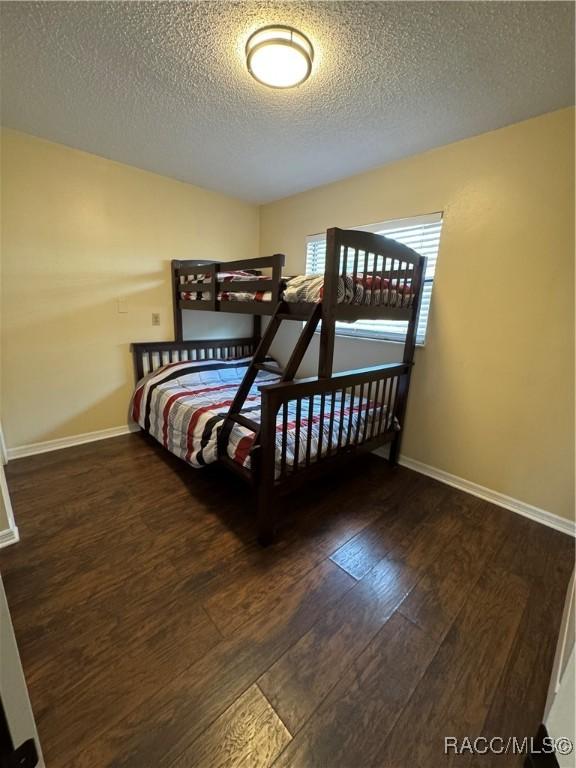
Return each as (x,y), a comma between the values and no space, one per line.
(366,276)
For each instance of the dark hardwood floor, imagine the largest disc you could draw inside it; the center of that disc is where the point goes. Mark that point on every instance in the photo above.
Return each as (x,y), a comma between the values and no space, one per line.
(155,632)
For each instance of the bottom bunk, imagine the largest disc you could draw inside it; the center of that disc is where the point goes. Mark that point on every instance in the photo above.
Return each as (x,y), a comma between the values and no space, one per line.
(183,405)
(291,431)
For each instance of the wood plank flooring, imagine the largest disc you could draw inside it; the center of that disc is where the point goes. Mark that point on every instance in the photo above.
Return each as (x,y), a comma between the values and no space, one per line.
(156,633)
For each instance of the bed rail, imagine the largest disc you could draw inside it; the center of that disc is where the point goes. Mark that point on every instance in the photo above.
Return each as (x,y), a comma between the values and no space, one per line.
(390,274)
(387,270)
(190,270)
(150,355)
(353,411)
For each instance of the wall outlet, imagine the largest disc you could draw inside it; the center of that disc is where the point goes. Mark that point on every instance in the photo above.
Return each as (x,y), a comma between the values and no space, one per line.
(155,318)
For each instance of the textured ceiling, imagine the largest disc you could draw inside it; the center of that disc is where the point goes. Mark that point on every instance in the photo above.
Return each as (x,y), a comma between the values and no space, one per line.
(163,86)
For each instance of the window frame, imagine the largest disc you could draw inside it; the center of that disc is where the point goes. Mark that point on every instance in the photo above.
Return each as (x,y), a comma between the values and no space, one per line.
(381,228)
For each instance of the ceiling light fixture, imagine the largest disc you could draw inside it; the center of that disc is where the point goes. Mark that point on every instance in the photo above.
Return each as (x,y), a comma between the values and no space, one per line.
(279,56)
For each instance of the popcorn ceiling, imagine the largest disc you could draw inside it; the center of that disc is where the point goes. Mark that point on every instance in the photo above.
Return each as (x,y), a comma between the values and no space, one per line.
(164,86)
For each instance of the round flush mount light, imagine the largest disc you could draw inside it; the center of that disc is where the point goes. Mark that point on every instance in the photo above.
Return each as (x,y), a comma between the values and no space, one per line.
(279,56)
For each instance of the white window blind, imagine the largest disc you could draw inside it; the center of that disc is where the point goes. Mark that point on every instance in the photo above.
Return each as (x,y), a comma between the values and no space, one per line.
(422,234)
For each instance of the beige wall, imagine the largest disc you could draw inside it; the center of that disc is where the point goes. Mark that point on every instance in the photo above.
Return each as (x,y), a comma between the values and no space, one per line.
(78,233)
(492,398)
(492,395)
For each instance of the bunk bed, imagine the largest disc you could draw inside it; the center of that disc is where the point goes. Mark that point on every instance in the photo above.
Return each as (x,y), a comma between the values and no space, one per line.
(227,400)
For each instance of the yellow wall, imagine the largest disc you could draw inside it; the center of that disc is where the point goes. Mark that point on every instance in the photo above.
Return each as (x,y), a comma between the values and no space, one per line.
(492,398)
(493,390)
(78,232)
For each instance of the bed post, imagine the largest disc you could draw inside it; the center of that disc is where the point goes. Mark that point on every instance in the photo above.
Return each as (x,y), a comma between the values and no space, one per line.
(278,260)
(408,357)
(265,456)
(176,302)
(329,300)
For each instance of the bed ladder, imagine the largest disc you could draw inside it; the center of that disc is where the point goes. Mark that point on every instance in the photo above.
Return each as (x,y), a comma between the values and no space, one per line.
(284,311)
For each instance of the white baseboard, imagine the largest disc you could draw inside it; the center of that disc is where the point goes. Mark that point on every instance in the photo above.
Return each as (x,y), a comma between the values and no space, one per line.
(9,536)
(68,442)
(500,499)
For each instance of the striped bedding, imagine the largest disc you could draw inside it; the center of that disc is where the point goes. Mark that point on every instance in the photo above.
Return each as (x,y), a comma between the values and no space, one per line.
(308,288)
(195,290)
(183,406)
(351,290)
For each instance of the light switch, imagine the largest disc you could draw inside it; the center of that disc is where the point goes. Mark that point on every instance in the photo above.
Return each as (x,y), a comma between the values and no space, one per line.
(155,318)
(122,305)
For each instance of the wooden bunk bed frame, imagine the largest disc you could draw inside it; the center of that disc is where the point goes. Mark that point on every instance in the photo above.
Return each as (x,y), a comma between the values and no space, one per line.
(361,255)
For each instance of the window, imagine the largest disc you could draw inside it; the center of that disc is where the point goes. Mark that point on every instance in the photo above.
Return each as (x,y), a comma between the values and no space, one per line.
(422,234)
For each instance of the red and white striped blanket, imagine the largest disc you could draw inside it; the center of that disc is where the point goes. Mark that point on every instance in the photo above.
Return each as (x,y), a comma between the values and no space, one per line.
(183,405)
(360,289)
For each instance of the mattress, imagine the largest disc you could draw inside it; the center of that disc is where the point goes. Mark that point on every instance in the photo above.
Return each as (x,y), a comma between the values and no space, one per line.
(358,290)
(183,406)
